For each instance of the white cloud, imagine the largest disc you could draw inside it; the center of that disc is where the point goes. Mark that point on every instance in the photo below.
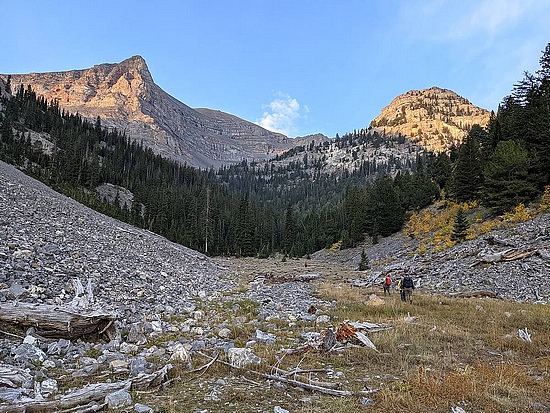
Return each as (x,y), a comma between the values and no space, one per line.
(469,20)
(491,17)
(283,115)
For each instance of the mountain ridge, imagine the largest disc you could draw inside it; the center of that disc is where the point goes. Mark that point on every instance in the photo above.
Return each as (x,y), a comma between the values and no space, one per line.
(125,97)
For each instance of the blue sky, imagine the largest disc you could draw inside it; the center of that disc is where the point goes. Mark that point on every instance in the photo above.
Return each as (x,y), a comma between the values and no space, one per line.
(298,67)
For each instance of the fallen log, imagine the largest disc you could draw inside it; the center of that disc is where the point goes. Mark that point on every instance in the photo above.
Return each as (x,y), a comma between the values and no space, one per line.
(276,279)
(503,256)
(519,254)
(296,383)
(57,321)
(298,375)
(476,294)
(307,386)
(88,397)
(90,393)
(14,377)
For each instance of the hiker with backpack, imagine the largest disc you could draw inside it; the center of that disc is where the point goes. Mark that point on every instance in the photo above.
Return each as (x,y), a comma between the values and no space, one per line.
(400,288)
(407,284)
(387,284)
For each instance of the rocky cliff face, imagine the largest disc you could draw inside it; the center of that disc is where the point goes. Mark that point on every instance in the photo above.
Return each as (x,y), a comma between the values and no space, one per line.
(435,118)
(125,96)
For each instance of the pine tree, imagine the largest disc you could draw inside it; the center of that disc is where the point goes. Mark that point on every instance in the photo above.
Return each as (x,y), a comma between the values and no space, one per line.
(460,227)
(364,263)
(467,176)
(507,178)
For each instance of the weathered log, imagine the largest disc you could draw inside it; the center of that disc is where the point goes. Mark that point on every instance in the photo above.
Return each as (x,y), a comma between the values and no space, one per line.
(507,255)
(519,254)
(57,321)
(298,375)
(85,397)
(90,393)
(296,383)
(470,294)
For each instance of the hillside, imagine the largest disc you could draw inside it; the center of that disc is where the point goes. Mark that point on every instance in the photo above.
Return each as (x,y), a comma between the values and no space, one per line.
(435,118)
(125,96)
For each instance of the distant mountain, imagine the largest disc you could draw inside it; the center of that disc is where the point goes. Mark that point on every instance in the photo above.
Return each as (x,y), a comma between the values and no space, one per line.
(125,96)
(435,118)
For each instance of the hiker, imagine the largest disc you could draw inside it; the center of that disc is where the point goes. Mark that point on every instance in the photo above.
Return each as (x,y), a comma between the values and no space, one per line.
(400,288)
(387,284)
(408,286)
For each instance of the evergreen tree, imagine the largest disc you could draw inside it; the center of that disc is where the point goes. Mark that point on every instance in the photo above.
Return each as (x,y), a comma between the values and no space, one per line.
(467,176)
(440,169)
(385,214)
(507,178)
(245,230)
(460,227)
(364,263)
(289,235)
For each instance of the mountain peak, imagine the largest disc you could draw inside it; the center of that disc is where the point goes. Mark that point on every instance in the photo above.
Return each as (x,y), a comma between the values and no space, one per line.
(436,118)
(125,96)
(135,63)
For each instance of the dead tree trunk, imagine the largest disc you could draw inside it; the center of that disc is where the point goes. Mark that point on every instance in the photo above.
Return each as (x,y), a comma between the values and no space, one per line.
(57,321)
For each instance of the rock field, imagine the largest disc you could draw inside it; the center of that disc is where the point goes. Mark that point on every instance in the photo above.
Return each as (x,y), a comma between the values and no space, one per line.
(154,286)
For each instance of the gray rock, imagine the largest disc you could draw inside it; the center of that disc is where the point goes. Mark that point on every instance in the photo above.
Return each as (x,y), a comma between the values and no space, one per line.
(136,334)
(86,371)
(224,333)
(323,319)
(128,348)
(180,354)
(48,387)
(15,289)
(118,399)
(242,357)
(119,365)
(266,338)
(139,365)
(30,340)
(142,408)
(28,352)
(87,361)
(60,347)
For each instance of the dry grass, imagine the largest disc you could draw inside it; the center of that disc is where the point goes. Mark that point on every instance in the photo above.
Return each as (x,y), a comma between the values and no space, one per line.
(454,352)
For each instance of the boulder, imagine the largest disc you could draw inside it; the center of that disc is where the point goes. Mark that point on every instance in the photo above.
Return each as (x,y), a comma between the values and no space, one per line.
(242,357)
(118,399)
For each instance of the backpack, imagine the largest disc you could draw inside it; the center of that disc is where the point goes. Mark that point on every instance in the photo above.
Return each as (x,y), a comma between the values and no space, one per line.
(408,282)
(388,280)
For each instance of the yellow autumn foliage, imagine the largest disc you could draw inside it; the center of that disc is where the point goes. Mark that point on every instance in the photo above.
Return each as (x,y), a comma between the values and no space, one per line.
(545,199)
(519,214)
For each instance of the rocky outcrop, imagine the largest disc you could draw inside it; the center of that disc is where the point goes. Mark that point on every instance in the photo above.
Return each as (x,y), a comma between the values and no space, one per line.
(435,118)
(125,97)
